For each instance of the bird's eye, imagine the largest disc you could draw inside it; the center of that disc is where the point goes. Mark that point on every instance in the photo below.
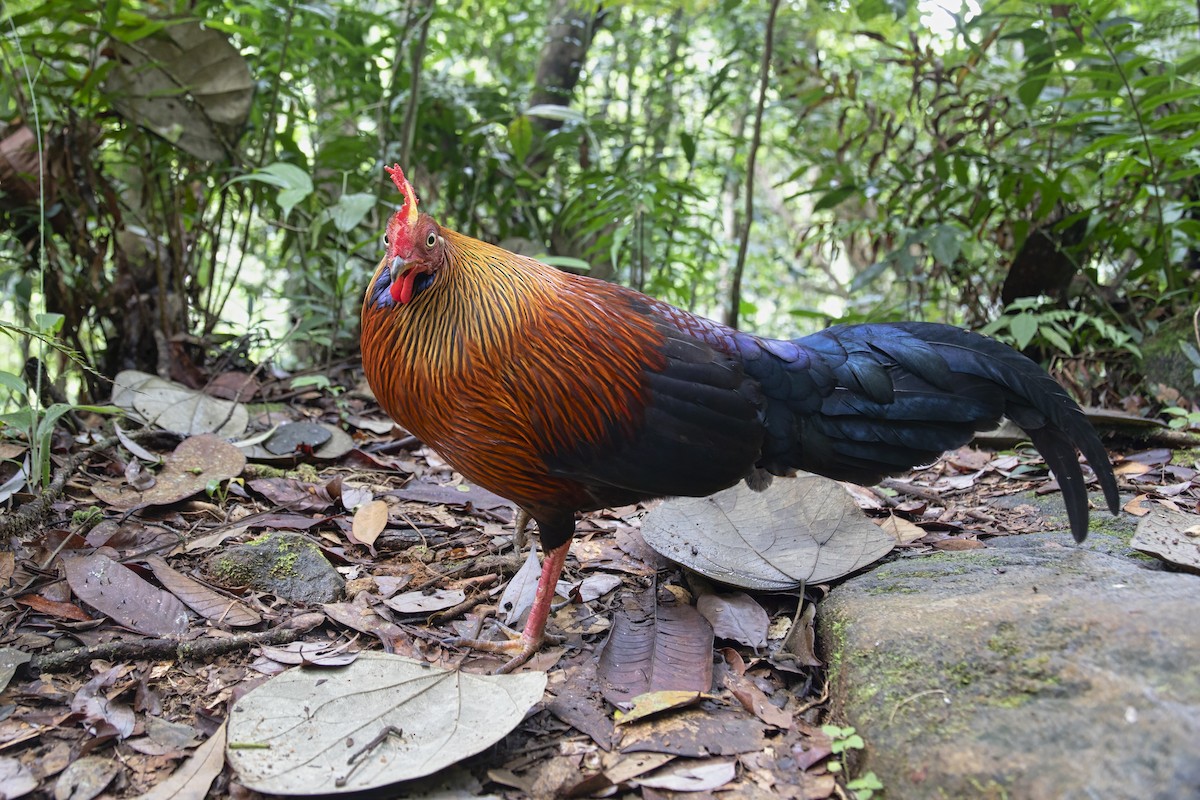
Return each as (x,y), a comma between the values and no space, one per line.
(431,240)
(385,240)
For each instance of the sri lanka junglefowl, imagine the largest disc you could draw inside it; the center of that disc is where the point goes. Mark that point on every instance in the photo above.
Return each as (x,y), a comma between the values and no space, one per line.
(564,393)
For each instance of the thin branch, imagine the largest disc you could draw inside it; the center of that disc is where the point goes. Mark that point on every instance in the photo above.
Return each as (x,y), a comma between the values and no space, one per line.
(201,650)
(764,75)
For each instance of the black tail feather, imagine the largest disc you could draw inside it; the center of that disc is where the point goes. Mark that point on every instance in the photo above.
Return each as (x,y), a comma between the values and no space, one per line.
(865,399)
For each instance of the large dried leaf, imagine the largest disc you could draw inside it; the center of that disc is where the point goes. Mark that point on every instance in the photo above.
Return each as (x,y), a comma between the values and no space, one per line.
(655,646)
(1170,535)
(187,84)
(697,732)
(377,721)
(197,462)
(804,530)
(112,589)
(174,407)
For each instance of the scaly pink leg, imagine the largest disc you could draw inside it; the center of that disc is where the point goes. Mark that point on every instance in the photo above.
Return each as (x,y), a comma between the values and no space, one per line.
(535,628)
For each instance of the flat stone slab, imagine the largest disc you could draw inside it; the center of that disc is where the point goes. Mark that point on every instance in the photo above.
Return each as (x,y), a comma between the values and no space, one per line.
(1035,669)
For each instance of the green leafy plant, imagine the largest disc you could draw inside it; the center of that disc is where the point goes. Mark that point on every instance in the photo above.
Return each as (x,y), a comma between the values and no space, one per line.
(1182,418)
(1063,331)
(842,741)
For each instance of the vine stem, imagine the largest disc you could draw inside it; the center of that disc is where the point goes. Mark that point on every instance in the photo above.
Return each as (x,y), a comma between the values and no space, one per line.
(764,74)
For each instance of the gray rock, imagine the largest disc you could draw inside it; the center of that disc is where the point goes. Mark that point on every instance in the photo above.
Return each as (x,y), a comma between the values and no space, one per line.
(286,565)
(1033,669)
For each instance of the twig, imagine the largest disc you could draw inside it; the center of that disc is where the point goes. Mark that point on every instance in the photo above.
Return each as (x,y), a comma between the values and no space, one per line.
(201,650)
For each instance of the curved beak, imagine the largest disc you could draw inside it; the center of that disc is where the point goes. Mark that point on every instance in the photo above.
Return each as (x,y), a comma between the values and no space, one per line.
(396,268)
(403,276)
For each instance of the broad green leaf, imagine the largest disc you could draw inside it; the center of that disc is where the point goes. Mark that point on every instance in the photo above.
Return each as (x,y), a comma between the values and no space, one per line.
(13,382)
(834,197)
(945,244)
(350,210)
(688,143)
(520,137)
(1024,327)
(49,323)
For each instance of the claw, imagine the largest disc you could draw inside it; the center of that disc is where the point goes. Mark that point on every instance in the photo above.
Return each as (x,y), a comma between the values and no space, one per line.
(523,647)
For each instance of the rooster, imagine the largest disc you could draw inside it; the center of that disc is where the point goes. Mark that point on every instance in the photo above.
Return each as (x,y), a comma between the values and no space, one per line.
(565,394)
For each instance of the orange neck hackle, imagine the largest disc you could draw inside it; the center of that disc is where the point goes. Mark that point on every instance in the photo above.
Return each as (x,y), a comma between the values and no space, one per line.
(401,227)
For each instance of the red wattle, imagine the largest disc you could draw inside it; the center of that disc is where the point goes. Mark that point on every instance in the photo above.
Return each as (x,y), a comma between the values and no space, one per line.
(402,289)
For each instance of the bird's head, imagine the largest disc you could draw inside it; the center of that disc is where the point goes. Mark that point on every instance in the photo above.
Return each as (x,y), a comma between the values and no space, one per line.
(416,246)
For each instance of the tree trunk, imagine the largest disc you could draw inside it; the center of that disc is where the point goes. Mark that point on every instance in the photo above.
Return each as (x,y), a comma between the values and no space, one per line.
(568,36)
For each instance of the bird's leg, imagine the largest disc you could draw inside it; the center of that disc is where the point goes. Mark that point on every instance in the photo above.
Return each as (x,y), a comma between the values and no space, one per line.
(521,534)
(531,639)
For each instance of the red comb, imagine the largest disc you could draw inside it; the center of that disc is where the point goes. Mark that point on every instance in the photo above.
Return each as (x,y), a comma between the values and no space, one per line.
(400,226)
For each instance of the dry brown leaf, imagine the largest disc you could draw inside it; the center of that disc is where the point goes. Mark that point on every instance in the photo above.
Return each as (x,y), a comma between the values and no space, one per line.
(692,776)
(118,592)
(757,703)
(197,462)
(369,521)
(203,599)
(736,616)
(53,608)
(903,531)
(193,778)
(1135,506)
(651,703)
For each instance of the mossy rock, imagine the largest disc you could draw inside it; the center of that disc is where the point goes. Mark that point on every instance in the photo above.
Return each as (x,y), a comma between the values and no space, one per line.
(1036,668)
(287,565)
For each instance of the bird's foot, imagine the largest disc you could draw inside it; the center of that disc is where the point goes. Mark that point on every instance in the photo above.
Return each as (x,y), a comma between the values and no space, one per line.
(519,647)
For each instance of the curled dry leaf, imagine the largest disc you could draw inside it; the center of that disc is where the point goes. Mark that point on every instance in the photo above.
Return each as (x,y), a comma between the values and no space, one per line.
(369,521)
(757,703)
